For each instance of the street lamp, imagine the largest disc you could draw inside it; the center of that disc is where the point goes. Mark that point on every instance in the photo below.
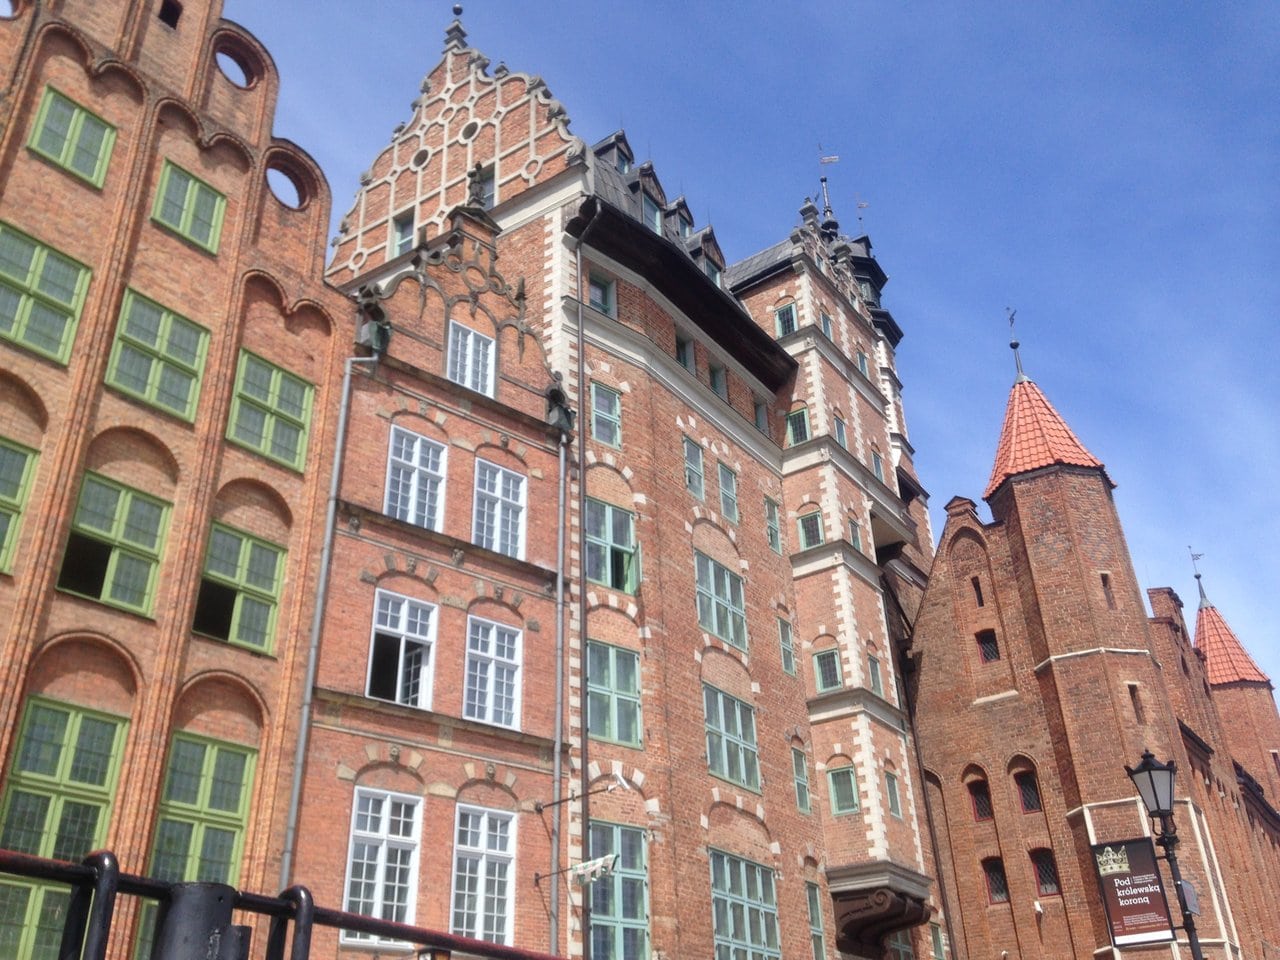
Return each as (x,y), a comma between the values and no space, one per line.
(1154,781)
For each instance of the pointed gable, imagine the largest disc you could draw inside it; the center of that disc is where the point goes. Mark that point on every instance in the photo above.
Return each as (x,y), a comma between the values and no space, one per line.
(1034,435)
(1225,657)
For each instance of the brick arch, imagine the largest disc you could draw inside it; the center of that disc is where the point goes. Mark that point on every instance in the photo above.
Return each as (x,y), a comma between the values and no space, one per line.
(27,417)
(110,66)
(836,760)
(630,805)
(617,625)
(388,774)
(710,538)
(741,830)
(725,671)
(1021,763)
(483,792)
(133,456)
(255,507)
(222,706)
(608,483)
(57,39)
(246,50)
(422,423)
(502,611)
(493,451)
(91,669)
(973,772)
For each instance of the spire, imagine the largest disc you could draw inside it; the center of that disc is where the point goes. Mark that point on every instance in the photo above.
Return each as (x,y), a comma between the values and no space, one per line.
(1225,657)
(1034,435)
(1014,345)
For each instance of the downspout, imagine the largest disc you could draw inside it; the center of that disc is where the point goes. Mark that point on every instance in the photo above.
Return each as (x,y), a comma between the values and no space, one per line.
(317,617)
(557,761)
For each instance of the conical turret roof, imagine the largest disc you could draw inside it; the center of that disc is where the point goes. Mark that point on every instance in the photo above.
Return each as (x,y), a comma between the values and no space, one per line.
(1225,657)
(1034,435)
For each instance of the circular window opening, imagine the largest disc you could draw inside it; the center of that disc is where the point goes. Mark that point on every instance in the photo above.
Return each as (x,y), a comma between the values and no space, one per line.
(285,187)
(420,158)
(470,130)
(8,9)
(235,68)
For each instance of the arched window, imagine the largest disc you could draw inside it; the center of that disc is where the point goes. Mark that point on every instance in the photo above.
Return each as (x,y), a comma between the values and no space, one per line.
(1046,873)
(1028,791)
(980,797)
(997,882)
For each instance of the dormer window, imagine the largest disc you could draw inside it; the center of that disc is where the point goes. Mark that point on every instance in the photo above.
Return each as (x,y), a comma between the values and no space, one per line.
(712,271)
(686,226)
(652,214)
(622,162)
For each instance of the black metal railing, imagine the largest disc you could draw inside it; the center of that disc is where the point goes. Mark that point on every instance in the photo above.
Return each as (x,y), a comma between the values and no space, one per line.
(201,913)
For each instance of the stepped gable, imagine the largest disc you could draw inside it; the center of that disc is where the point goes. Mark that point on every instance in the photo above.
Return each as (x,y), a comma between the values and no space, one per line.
(1225,656)
(1034,436)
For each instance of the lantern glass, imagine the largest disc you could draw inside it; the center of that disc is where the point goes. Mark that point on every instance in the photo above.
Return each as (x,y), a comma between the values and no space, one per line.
(1154,781)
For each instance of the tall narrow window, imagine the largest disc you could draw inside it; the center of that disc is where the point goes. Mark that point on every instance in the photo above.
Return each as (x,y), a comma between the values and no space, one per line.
(498,523)
(1107,592)
(400,663)
(415,479)
(891,794)
(813,897)
(382,864)
(240,589)
(980,798)
(731,738)
(41,295)
(613,692)
(935,941)
(1046,872)
(72,137)
(483,888)
(827,674)
(1135,701)
(842,786)
(693,468)
(855,534)
(988,647)
(270,411)
(873,672)
(877,466)
(744,908)
(721,609)
(113,552)
(728,494)
(611,546)
(760,413)
(492,692)
(810,527)
(784,319)
(997,883)
(800,775)
(17,465)
(652,213)
(773,525)
(977,590)
(684,353)
(825,322)
(471,359)
(189,207)
(1028,791)
(797,426)
(56,803)
(606,415)
(157,356)
(719,379)
(619,901)
(788,647)
(842,437)
(402,233)
(863,367)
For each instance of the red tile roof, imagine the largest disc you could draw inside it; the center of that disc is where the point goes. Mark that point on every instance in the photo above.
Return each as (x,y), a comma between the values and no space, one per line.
(1224,655)
(1034,436)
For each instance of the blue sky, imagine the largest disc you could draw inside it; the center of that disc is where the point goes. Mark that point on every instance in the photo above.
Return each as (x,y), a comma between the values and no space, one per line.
(1110,170)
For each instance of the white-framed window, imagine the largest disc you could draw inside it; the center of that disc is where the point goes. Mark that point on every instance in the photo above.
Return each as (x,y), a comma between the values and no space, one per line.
(787,644)
(602,294)
(800,774)
(471,359)
(728,494)
(842,437)
(606,415)
(721,607)
(492,692)
(382,862)
(483,862)
(499,509)
(693,467)
(827,673)
(402,233)
(773,524)
(855,534)
(400,661)
(415,479)
(810,527)
(731,738)
(784,319)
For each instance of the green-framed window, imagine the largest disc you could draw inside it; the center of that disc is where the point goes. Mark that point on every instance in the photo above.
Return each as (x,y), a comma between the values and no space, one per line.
(744,908)
(784,319)
(612,554)
(728,493)
(17,466)
(41,294)
(809,526)
(57,803)
(842,787)
(797,426)
(721,609)
(613,694)
(240,589)
(800,774)
(606,415)
(271,411)
(786,643)
(693,468)
(72,137)
(813,897)
(731,738)
(935,941)
(874,676)
(773,524)
(892,795)
(602,294)
(113,552)
(158,356)
(189,206)
(620,901)
(827,672)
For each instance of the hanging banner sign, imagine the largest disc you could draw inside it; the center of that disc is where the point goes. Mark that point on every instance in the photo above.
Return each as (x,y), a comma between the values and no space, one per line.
(1137,909)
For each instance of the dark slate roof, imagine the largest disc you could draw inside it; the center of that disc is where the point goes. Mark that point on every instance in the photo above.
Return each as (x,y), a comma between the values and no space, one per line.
(757,264)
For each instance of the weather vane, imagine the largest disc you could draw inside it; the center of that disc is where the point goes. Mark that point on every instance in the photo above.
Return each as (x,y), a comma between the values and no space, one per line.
(1013,342)
(1194,557)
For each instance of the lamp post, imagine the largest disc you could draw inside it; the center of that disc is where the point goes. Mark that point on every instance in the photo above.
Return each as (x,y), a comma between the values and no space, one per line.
(1154,781)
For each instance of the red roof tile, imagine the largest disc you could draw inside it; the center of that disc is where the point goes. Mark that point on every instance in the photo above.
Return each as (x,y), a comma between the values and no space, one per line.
(1224,655)
(1034,436)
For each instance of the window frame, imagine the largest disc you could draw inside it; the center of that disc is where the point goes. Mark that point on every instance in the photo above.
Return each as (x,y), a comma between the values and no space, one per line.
(504,508)
(614,698)
(482,704)
(401,634)
(813,898)
(270,410)
(824,321)
(30,296)
(684,354)
(877,465)
(721,600)
(978,789)
(836,774)
(599,416)
(773,524)
(383,840)
(800,778)
(462,365)
(760,415)
(786,641)
(694,474)
(718,380)
(242,587)
(992,870)
(1026,782)
(402,240)
(841,433)
(650,212)
(612,554)
(607,302)
(815,535)
(617,882)
(158,359)
(797,421)
(864,364)
(485,853)
(728,491)
(414,493)
(820,660)
(12,505)
(874,677)
(726,748)
(63,158)
(786,320)
(988,646)
(191,199)
(1042,859)
(893,794)
(740,874)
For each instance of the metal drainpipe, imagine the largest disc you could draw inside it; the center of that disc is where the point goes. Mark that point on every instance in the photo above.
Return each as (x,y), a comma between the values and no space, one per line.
(317,619)
(557,763)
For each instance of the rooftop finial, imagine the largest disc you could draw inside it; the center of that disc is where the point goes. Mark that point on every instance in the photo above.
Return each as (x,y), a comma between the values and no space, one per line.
(1204,601)
(454,36)
(1014,345)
